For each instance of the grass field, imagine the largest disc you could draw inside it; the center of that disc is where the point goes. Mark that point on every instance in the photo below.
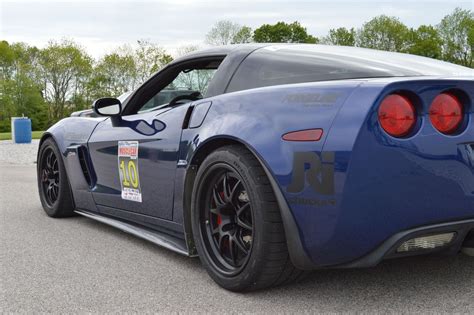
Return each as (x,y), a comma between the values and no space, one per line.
(8,135)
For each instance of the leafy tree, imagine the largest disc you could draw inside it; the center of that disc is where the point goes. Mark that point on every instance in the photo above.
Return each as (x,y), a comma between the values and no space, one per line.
(243,36)
(149,58)
(282,32)
(384,33)
(341,37)
(20,93)
(425,41)
(124,70)
(113,75)
(64,67)
(457,33)
(227,32)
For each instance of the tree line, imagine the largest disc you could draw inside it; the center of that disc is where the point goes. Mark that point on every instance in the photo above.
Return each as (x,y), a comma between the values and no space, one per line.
(48,84)
(451,40)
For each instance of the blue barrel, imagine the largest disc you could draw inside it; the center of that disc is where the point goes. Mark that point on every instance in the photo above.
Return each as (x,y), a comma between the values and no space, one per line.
(22,130)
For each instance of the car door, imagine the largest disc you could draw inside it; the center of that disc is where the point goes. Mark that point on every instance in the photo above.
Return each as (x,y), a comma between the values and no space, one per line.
(135,161)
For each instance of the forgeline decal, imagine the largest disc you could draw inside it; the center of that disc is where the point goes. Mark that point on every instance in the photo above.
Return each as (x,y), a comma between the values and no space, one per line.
(318,172)
(314,99)
(128,170)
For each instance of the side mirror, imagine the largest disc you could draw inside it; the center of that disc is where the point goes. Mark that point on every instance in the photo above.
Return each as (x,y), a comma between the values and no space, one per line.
(107,106)
(111,107)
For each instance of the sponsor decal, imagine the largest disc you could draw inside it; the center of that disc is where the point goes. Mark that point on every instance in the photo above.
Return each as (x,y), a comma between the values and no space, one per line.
(128,170)
(312,202)
(318,172)
(325,99)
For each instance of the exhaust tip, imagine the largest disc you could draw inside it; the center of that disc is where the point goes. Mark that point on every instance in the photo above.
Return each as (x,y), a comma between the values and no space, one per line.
(469,251)
(427,242)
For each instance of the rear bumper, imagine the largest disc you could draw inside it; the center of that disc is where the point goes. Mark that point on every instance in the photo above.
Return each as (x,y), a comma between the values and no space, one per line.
(388,249)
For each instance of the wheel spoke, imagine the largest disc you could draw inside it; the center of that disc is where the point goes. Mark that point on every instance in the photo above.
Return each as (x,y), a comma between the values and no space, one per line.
(219,242)
(234,190)
(226,188)
(217,197)
(49,193)
(55,193)
(243,208)
(45,176)
(55,165)
(244,224)
(49,160)
(240,245)
(231,249)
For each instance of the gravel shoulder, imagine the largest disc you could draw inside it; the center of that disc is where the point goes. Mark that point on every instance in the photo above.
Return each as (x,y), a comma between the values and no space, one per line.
(18,154)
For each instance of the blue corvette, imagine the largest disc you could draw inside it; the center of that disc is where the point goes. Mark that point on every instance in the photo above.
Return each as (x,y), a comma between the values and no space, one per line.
(269,160)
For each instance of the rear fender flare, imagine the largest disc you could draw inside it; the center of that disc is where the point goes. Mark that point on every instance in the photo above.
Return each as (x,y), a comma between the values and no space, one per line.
(297,253)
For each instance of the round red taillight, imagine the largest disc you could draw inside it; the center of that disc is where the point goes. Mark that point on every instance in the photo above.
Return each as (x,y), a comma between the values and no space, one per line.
(397,115)
(446,113)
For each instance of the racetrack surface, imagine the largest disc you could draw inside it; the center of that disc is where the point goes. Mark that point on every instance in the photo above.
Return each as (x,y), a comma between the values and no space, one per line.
(78,265)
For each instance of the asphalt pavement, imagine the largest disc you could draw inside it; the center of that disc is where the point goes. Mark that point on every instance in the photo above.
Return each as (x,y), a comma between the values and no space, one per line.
(77,265)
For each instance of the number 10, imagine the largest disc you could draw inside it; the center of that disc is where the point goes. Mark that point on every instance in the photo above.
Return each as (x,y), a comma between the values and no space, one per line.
(129,174)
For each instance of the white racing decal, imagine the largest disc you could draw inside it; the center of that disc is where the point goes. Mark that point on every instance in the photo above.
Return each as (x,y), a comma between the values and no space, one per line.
(128,170)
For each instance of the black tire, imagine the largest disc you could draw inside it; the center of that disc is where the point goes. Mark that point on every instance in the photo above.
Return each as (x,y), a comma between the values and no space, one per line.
(53,184)
(267,263)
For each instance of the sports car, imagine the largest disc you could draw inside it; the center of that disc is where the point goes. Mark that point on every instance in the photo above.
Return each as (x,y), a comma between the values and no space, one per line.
(277,159)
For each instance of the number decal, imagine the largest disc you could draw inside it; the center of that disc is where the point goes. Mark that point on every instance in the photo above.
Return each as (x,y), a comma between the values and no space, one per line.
(124,174)
(132,172)
(128,170)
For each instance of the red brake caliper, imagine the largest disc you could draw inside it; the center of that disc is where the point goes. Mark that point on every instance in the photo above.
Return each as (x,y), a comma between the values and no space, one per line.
(219,219)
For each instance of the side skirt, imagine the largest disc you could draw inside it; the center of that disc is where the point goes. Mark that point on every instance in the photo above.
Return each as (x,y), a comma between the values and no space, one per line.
(167,241)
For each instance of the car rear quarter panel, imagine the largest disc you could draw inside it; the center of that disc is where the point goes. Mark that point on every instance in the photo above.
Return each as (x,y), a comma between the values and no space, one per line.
(258,118)
(366,186)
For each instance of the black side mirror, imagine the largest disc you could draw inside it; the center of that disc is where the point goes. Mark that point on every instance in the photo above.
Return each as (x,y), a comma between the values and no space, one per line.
(109,106)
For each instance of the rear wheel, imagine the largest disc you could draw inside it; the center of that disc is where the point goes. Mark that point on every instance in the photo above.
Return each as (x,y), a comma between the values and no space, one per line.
(237,224)
(53,184)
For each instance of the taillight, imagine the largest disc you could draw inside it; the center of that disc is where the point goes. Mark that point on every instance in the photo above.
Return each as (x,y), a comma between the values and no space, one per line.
(446,113)
(397,115)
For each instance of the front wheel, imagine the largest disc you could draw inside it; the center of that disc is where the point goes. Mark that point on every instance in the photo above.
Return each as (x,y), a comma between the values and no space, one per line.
(237,224)
(53,184)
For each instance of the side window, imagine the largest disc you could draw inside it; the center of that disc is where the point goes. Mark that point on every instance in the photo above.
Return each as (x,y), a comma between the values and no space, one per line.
(267,68)
(187,82)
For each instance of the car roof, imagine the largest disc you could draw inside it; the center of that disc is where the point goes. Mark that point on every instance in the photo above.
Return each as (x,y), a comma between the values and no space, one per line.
(397,62)
(220,51)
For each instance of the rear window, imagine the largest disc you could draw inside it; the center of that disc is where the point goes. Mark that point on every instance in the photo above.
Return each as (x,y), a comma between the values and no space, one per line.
(278,65)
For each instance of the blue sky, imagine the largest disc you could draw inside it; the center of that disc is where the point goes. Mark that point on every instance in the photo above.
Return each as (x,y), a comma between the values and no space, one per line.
(100,26)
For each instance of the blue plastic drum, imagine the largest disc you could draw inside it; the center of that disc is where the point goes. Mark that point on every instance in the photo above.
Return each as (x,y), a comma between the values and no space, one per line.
(22,130)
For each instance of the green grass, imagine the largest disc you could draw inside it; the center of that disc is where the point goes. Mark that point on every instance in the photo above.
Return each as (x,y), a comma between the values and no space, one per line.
(8,135)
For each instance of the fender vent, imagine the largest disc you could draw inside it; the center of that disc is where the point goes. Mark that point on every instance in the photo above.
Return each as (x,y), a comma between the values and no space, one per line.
(85,165)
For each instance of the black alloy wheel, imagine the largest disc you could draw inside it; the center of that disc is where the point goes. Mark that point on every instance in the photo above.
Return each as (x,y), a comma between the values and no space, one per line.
(227,222)
(49,173)
(53,184)
(236,223)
